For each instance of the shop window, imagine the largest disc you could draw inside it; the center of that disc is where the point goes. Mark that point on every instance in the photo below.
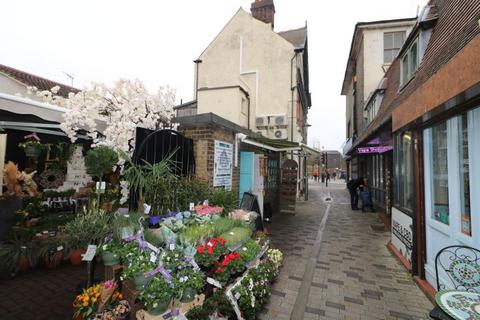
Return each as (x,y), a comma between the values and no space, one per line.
(464,175)
(439,174)
(403,183)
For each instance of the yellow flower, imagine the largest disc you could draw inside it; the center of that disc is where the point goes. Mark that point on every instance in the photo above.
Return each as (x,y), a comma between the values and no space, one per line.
(94,300)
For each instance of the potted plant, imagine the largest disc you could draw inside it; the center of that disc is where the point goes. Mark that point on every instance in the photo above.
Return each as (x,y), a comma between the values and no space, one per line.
(18,255)
(157,295)
(110,253)
(87,228)
(100,161)
(51,251)
(32,147)
(187,283)
(135,269)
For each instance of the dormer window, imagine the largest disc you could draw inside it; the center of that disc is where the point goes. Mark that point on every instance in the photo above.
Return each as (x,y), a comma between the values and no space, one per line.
(410,62)
(392,42)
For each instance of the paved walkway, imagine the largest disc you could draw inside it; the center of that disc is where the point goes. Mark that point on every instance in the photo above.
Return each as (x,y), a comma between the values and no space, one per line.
(43,294)
(337,267)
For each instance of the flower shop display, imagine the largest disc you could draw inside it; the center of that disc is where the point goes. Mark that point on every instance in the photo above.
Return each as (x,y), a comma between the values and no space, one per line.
(188,283)
(52,252)
(97,298)
(211,252)
(157,295)
(237,236)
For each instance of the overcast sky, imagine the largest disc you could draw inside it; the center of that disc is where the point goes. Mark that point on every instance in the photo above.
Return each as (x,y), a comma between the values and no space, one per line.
(156,42)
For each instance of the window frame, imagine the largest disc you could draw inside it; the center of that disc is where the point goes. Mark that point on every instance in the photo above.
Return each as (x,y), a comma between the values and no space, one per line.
(393,47)
(406,57)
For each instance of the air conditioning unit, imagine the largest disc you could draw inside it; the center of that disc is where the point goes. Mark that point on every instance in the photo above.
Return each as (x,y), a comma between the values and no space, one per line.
(279,121)
(261,122)
(279,134)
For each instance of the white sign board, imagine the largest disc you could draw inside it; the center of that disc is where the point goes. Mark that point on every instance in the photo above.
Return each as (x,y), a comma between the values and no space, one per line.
(402,235)
(222,170)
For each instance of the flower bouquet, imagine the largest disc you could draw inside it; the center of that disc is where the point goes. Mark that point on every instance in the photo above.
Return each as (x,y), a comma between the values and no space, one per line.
(88,302)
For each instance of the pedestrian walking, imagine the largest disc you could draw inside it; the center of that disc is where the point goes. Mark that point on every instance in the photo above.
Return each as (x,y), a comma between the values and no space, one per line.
(327,178)
(353,185)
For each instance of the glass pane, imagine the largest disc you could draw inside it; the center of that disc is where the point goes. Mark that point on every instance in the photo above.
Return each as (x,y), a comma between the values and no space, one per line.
(413,59)
(399,39)
(406,174)
(405,76)
(388,40)
(464,177)
(439,165)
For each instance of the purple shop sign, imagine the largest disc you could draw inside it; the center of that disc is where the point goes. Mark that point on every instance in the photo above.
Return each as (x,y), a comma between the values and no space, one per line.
(379,149)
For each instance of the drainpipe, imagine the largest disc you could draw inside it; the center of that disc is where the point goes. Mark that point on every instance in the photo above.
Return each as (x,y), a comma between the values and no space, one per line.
(292,88)
(197,62)
(248,112)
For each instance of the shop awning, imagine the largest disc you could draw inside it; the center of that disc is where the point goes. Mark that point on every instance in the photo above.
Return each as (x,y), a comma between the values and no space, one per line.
(272,144)
(42,110)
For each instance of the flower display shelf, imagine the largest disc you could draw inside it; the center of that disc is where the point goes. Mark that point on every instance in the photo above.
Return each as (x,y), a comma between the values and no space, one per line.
(237,281)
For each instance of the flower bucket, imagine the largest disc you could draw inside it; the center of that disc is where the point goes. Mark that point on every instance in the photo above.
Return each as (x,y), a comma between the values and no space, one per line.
(110,258)
(160,308)
(126,232)
(23,265)
(188,295)
(140,281)
(76,256)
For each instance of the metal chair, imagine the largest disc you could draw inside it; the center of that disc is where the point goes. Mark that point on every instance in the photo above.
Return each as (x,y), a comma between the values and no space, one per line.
(460,268)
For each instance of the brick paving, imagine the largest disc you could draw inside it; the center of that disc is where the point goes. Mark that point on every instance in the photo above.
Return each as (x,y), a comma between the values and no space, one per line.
(43,294)
(354,275)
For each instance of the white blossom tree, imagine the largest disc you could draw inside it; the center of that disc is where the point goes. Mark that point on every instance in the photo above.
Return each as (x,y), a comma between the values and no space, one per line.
(123,107)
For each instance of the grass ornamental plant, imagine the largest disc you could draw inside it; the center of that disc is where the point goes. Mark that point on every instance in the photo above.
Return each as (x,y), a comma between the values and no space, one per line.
(87,228)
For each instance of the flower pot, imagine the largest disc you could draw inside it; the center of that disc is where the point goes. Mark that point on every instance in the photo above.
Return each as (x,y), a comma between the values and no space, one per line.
(140,281)
(110,258)
(160,308)
(76,256)
(188,295)
(23,265)
(54,261)
(126,232)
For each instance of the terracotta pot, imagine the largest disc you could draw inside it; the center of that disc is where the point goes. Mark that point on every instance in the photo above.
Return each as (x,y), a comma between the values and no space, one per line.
(23,265)
(76,256)
(54,261)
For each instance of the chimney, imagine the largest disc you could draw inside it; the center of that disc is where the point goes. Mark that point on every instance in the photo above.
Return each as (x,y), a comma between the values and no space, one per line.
(263,10)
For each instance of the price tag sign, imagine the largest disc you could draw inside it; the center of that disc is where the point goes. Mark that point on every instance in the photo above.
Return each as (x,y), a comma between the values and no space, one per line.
(90,254)
(153,257)
(172,246)
(147,208)
(192,206)
(214,282)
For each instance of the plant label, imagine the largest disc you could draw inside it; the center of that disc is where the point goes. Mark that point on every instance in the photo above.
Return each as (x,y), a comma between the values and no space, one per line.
(153,257)
(194,264)
(214,282)
(205,202)
(192,206)
(147,208)
(172,246)
(59,248)
(90,254)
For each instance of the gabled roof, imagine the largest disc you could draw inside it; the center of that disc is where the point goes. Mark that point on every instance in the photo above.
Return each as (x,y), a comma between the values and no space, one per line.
(456,26)
(297,37)
(29,79)
(356,40)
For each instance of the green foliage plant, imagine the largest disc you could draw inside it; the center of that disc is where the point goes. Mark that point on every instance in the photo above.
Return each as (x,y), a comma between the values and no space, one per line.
(223,198)
(249,250)
(100,161)
(90,227)
(14,251)
(237,236)
(157,291)
(187,278)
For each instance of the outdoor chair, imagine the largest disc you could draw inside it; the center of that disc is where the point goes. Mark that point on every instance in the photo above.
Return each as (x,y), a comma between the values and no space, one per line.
(459,268)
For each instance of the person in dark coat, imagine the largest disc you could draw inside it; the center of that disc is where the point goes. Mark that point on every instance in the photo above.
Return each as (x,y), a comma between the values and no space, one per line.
(353,185)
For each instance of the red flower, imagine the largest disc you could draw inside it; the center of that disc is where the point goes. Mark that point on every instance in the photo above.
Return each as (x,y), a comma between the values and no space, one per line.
(209,250)
(213,241)
(220,239)
(200,249)
(225,262)
(219,270)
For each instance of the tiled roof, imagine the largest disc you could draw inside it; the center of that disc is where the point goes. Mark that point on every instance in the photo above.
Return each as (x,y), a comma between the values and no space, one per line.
(29,79)
(296,37)
(456,26)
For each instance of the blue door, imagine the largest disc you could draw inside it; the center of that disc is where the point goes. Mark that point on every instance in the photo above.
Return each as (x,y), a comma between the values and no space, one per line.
(246,173)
